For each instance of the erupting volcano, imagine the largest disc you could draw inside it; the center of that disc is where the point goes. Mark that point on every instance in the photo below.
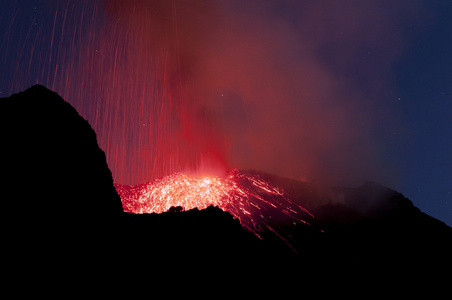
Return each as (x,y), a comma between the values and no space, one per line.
(258,205)
(136,73)
(216,137)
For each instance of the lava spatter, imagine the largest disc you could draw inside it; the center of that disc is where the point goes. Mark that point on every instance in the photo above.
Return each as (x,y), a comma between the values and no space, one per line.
(256,203)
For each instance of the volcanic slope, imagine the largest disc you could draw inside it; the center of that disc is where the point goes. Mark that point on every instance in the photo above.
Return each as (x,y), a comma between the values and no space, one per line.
(369,229)
(61,210)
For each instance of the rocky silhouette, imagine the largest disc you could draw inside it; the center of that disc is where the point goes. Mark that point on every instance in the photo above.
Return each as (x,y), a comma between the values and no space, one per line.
(60,210)
(50,150)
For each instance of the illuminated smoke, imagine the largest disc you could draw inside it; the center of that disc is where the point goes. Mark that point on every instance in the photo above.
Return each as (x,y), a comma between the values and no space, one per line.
(119,63)
(296,88)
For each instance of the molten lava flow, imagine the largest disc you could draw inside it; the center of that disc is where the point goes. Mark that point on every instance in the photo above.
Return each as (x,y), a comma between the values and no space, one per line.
(258,205)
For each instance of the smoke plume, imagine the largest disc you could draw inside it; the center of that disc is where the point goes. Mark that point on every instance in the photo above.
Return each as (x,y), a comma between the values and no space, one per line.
(300,89)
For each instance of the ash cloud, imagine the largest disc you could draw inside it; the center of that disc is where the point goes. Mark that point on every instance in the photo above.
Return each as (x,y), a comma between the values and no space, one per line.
(296,88)
(303,89)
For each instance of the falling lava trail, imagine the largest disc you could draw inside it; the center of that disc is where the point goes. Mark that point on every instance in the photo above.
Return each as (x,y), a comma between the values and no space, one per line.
(257,204)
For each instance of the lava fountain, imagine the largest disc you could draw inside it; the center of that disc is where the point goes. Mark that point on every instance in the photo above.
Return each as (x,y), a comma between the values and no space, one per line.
(126,67)
(130,68)
(256,203)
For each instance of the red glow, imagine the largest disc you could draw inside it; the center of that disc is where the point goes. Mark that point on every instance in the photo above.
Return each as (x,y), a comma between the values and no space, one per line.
(255,202)
(123,70)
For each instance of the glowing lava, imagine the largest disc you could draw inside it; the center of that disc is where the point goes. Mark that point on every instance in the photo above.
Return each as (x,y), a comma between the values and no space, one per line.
(258,205)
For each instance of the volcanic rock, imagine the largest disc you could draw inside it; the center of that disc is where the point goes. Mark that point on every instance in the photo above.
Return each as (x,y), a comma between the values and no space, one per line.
(51,162)
(60,210)
(369,230)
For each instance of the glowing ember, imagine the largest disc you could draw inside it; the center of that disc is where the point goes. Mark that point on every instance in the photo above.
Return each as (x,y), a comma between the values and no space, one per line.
(258,205)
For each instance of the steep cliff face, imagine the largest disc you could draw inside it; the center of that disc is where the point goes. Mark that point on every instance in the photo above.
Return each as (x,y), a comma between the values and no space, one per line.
(51,162)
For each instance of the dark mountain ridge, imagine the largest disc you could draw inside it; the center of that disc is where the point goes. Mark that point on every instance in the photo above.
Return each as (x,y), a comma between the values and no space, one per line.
(60,210)
(48,146)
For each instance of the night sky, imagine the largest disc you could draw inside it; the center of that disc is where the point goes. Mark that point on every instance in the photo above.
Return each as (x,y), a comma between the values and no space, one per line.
(334,92)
